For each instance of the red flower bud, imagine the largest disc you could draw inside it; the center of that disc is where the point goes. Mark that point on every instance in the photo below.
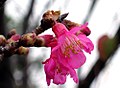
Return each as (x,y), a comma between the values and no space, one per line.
(86,31)
(14,38)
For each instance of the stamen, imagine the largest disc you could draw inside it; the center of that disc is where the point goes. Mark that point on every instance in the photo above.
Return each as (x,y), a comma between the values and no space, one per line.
(72,44)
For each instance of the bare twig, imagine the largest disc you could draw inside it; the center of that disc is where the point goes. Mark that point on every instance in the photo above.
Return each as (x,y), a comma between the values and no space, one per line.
(26,18)
(18,45)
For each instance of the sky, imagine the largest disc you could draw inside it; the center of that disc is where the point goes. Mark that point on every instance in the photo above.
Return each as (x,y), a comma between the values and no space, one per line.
(104,20)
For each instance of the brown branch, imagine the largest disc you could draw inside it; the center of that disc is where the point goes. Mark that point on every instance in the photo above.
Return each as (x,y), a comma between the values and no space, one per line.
(17,44)
(26,18)
(6,78)
(94,2)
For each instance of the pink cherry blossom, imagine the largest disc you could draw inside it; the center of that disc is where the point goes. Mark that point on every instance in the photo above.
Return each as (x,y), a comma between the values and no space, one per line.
(71,45)
(58,71)
(55,72)
(67,53)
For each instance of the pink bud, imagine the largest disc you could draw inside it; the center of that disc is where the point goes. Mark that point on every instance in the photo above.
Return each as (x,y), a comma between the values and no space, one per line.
(86,31)
(14,38)
(82,29)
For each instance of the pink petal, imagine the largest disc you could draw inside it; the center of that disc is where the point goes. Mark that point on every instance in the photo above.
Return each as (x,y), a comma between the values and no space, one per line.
(73,75)
(50,68)
(86,42)
(53,43)
(59,29)
(59,79)
(48,81)
(76,60)
(60,42)
(78,28)
(15,37)
(69,70)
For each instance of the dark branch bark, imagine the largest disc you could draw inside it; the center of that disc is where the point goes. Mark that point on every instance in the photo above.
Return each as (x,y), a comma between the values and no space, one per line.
(2,27)
(6,78)
(90,11)
(26,18)
(25,27)
(2,2)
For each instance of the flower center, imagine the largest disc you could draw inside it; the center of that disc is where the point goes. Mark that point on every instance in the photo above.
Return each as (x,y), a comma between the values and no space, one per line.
(71,45)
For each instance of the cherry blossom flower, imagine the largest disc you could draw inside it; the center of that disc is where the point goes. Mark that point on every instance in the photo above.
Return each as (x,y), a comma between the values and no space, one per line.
(58,71)
(71,45)
(67,53)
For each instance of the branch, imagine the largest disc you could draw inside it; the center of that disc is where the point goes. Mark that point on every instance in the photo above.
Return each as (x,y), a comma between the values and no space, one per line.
(2,2)
(2,25)
(26,18)
(90,11)
(19,44)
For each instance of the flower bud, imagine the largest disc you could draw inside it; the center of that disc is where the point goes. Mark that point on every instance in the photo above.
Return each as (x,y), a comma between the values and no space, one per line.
(2,40)
(28,39)
(14,38)
(23,50)
(86,31)
(51,14)
(43,40)
(59,29)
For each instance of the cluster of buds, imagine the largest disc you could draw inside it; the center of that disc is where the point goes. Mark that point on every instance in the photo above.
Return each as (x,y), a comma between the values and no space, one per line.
(28,39)
(18,44)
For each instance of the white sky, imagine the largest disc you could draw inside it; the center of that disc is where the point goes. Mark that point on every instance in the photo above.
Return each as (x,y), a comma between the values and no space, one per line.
(104,20)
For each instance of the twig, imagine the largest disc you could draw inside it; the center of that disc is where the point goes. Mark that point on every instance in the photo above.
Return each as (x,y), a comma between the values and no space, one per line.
(16,44)
(26,18)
